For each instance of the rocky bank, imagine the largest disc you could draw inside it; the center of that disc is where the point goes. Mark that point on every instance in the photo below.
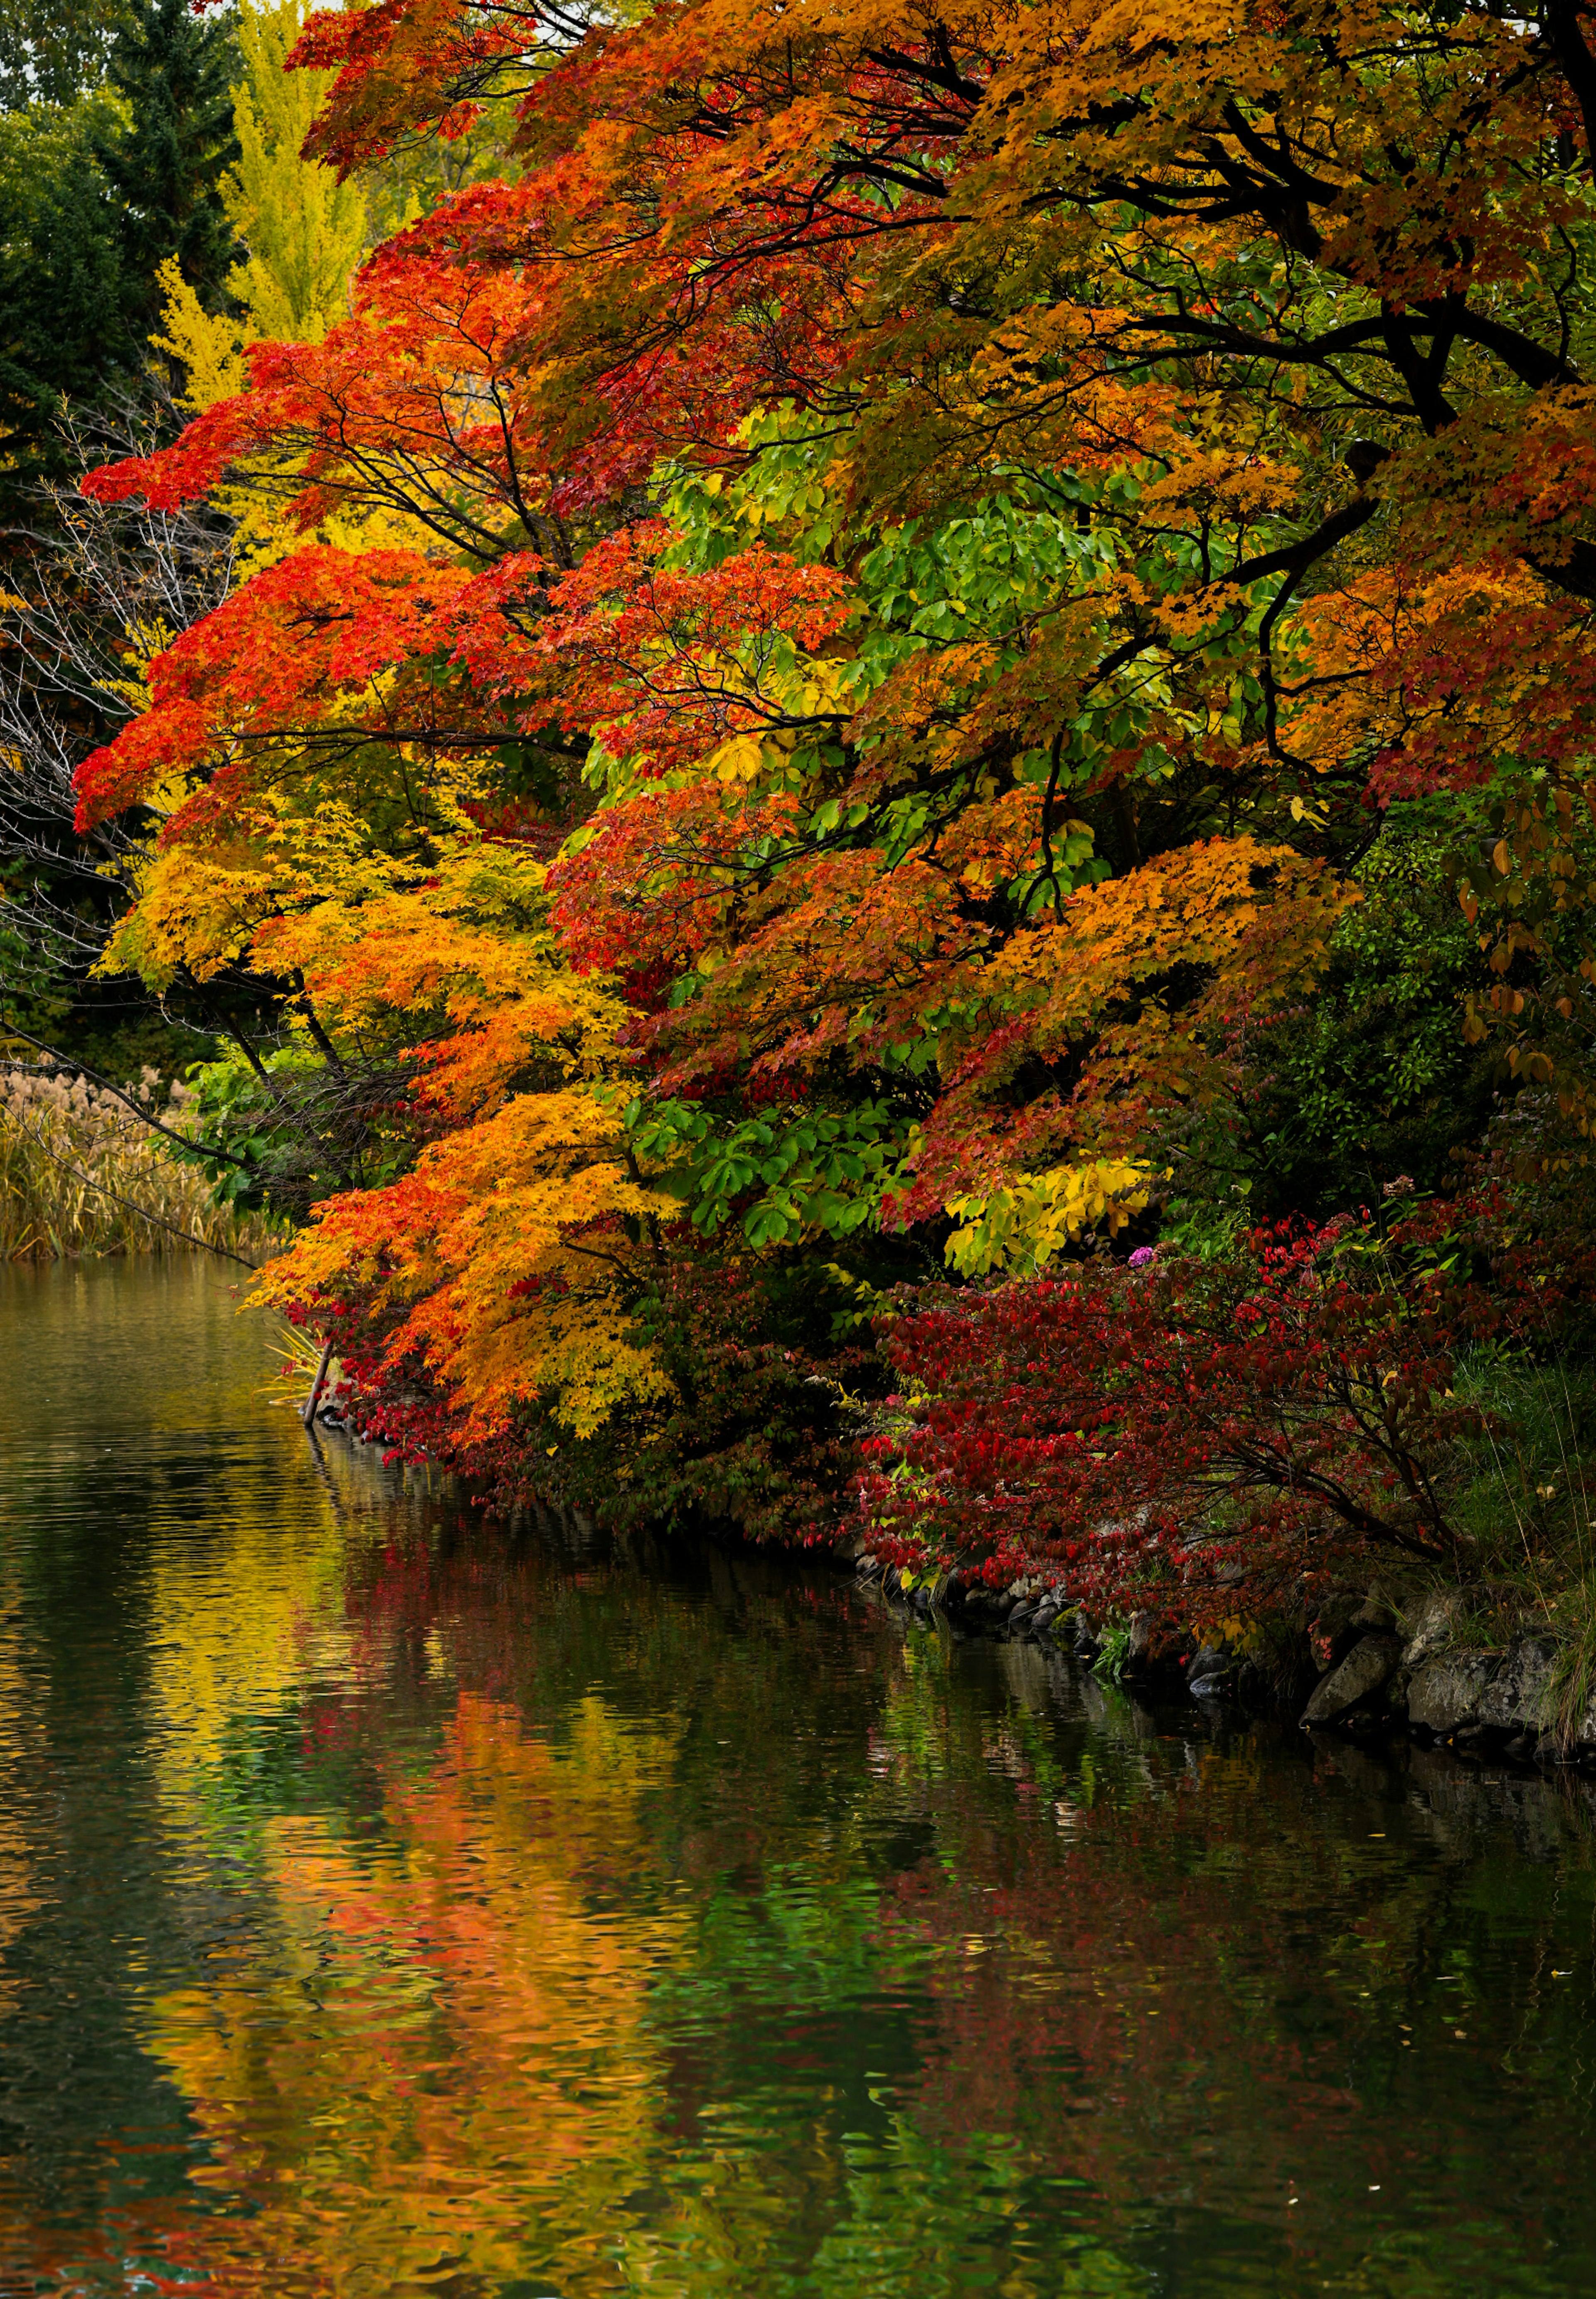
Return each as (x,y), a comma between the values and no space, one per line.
(1380,1669)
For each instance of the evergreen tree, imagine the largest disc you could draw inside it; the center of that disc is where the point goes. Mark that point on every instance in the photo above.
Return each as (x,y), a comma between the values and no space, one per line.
(63,301)
(165,168)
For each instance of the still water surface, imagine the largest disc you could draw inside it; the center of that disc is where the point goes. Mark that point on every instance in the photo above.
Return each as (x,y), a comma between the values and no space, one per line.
(393,1904)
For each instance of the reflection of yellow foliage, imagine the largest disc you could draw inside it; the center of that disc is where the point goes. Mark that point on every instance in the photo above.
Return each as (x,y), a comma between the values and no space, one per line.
(20,1897)
(230,1620)
(453,2046)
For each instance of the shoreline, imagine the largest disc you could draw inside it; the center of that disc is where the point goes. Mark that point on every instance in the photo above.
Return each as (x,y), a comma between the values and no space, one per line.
(1383,1681)
(1380,1680)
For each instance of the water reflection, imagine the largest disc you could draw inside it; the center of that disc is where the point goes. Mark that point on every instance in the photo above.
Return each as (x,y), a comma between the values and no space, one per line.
(389,1904)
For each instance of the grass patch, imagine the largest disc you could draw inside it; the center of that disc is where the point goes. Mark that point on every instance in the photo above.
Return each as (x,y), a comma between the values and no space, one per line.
(1524,1499)
(82,1174)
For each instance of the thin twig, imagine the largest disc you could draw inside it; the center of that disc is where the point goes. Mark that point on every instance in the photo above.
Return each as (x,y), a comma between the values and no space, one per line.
(61,1061)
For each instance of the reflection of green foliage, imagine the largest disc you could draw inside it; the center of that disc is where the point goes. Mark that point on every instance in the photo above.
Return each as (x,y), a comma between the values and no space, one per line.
(302,1761)
(863,1881)
(807,1934)
(933,2221)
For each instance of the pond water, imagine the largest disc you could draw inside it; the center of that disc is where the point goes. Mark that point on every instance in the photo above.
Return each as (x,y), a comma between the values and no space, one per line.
(391,1903)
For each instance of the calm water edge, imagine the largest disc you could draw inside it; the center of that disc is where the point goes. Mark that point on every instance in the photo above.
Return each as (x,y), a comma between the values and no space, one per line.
(392,1904)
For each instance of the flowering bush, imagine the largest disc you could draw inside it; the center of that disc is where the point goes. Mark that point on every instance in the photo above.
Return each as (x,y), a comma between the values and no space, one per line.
(1188,1438)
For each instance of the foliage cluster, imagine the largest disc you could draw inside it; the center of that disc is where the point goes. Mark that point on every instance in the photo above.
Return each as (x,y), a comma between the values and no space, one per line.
(921,646)
(1195,1440)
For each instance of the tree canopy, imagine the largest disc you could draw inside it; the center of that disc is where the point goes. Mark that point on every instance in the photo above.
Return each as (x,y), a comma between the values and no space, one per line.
(868,616)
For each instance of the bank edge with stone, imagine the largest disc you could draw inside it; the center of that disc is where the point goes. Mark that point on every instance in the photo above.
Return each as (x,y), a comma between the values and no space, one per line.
(1380,1669)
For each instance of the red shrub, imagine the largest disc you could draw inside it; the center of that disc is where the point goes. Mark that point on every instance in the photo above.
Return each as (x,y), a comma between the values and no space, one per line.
(1188,1438)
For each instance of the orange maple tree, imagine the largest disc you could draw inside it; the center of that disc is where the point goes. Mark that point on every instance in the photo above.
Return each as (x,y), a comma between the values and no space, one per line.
(957,525)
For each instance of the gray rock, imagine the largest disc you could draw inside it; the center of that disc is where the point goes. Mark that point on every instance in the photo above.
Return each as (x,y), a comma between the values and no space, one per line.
(1374,1616)
(1445,1693)
(1432,1625)
(1355,1682)
(1141,1637)
(1516,1699)
(1209,1672)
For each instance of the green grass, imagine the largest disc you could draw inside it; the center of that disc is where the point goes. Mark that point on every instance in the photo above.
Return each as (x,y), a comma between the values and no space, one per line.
(1524,1499)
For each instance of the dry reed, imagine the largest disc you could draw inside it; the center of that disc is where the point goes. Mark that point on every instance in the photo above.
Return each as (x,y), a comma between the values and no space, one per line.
(80,1172)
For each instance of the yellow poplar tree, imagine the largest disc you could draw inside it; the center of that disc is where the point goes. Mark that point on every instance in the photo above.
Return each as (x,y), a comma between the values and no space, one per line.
(302,230)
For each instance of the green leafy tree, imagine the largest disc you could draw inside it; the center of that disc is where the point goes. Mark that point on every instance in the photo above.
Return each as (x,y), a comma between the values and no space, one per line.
(1370,1082)
(53,50)
(63,301)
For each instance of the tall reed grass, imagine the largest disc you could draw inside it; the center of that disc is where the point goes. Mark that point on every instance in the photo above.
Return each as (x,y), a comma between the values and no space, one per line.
(81,1174)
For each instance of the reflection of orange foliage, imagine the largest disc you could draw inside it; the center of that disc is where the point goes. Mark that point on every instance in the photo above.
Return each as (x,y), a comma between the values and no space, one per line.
(19,1897)
(448,2059)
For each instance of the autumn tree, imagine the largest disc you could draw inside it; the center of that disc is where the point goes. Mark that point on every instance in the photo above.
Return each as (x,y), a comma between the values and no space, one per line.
(968,524)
